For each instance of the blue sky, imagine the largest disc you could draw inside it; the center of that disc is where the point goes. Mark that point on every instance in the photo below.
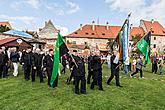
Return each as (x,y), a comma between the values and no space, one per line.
(67,15)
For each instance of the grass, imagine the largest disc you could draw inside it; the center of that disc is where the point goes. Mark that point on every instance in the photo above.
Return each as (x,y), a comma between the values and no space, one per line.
(136,94)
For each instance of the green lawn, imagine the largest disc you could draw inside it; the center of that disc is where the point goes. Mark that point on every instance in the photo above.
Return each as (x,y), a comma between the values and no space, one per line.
(136,94)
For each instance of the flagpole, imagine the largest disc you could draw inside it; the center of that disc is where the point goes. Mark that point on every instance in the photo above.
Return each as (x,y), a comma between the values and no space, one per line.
(121,28)
(73,60)
(142,37)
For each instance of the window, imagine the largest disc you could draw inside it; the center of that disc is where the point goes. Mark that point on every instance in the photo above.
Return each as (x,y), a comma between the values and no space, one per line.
(74,42)
(103,34)
(86,33)
(93,34)
(85,42)
(75,32)
(154,45)
(154,38)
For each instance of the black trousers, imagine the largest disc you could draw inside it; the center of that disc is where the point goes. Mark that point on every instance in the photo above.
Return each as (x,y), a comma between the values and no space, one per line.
(130,66)
(38,71)
(27,70)
(71,77)
(83,84)
(137,70)
(3,71)
(49,74)
(116,74)
(154,67)
(63,70)
(90,74)
(97,79)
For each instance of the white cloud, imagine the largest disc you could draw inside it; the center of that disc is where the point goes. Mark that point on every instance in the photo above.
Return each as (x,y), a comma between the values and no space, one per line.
(34,3)
(73,7)
(25,19)
(67,8)
(140,9)
(63,30)
(17,5)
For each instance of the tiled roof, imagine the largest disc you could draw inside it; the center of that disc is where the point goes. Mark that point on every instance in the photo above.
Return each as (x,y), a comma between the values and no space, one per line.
(5,24)
(7,40)
(99,31)
(136,31)
(157,28)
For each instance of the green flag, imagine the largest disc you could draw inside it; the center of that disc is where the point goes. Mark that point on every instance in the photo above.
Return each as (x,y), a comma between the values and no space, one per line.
(143,45)
(59,50)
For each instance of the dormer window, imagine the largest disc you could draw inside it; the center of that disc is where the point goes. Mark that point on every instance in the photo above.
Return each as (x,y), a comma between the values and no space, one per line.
(76,33)
(154,38)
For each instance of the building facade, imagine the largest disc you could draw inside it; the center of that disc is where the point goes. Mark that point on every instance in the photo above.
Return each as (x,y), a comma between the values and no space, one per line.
(48,34)
(157,34)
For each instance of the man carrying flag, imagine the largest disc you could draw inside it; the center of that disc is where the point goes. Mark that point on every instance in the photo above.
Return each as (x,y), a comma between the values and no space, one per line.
(122,55)
(143,45)
(52,67)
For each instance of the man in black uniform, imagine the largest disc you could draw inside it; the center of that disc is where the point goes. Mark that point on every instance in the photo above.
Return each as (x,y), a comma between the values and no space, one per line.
(6,60)
(48,63)
(79,74)
(97,71)
(36,65)
(64,58)
(26,61)
(3,64)
(114,68)
(90,68)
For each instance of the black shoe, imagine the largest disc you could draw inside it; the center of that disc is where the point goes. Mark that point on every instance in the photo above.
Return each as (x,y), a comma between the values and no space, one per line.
(92,88)
(77,93)
(83,92)
(101,89)
(108,83)
(41,81)
(119,86)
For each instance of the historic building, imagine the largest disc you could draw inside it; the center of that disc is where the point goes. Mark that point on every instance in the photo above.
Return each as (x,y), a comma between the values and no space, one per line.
(96,35)
(157,34)
(48,34)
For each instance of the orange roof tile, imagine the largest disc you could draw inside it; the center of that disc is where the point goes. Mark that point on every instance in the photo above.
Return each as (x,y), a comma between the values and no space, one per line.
(157,28)
(5,24)
(100,32)
(136,31)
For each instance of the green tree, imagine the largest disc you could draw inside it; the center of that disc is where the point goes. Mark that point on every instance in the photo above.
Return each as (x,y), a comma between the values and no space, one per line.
(4,28)
(136,38)
(111,44)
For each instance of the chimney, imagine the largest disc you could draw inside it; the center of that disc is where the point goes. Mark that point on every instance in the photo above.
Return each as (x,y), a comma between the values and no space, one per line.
(152,21)
(93,25)
(107,26)
(45,23)
(131,26)
(81,27)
